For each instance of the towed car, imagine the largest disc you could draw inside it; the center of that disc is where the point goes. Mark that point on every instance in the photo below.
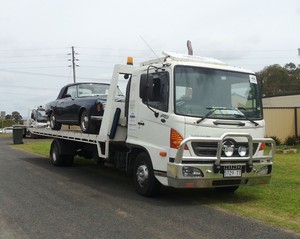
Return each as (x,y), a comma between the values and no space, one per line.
(79,104)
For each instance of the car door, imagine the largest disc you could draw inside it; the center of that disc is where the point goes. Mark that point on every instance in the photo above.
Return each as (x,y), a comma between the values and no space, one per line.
(66,104)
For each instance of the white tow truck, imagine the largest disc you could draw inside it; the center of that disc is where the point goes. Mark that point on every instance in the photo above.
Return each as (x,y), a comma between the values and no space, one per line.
(186,122)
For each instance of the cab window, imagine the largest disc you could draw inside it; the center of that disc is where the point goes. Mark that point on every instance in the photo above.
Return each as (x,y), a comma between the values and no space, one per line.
(159,97)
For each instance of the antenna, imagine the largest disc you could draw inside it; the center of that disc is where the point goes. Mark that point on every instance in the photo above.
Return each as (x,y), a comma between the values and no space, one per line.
(151,49)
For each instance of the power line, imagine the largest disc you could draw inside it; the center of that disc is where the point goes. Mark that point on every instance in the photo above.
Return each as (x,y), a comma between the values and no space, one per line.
(32,73)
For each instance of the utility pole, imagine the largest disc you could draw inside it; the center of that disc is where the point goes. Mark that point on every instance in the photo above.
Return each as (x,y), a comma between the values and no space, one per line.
(2,118)
(74,59)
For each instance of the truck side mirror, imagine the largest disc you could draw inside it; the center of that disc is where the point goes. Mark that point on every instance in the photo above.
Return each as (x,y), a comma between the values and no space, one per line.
(146,87)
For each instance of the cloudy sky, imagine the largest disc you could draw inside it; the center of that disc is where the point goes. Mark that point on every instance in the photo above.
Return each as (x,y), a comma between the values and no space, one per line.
(37,35)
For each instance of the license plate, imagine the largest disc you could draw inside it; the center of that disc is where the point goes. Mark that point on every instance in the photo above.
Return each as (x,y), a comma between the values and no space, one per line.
(232,173)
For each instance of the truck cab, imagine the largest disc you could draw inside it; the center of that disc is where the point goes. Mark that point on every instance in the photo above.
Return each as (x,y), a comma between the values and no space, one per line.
(196,122)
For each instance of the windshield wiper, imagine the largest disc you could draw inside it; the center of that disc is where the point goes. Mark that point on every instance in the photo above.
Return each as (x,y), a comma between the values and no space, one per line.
(245,117)
(212,110)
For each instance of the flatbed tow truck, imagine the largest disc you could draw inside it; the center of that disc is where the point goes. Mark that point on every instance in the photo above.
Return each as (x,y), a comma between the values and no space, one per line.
(186,122)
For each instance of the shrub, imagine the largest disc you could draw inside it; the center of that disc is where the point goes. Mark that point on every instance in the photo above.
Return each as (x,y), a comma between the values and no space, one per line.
(276,139)
(291,140)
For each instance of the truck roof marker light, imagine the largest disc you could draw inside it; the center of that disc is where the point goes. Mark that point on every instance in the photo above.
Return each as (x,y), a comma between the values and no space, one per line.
(175,140)
(129,60)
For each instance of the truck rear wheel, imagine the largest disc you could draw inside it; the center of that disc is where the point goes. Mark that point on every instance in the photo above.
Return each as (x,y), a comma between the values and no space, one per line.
(144,180)
(56,156)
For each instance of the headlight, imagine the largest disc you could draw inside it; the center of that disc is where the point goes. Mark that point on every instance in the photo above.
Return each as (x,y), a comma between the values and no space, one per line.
(265,170)
(242,151)
(191,172)
(228,148)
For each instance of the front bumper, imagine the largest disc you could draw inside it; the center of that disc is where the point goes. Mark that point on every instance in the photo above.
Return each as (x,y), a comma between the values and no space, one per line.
(254,169)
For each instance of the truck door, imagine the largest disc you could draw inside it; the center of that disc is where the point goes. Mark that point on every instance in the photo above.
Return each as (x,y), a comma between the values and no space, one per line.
(148,119)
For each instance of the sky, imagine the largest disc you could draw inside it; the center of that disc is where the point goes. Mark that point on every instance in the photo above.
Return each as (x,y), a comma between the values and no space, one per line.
(36,37)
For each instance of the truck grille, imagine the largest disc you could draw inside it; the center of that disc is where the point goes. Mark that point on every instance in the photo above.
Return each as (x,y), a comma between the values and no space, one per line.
(209,149)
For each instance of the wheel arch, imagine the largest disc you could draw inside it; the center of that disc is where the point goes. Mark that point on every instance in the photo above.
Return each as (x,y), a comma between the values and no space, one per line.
(144,179)
(135,150)
(49,113)
(80,113)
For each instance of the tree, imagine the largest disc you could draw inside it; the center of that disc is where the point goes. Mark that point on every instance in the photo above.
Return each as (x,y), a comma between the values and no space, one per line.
(16,116)
(276,80)
(290,66)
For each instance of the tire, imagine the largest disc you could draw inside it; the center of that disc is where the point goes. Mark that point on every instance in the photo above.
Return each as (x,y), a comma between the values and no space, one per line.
(56,156)
(53,123)
(145,182)
(85,123)
(227,189)
(55,153)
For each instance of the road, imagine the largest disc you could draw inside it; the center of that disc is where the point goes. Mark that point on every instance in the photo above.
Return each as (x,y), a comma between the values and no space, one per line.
(38,200)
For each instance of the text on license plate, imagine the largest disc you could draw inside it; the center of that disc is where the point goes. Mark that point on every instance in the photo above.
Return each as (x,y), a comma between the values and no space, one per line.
(232,173)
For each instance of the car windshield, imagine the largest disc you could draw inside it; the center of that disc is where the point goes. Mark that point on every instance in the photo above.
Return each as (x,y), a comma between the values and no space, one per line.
(41,116)
(92,89)
(212,93)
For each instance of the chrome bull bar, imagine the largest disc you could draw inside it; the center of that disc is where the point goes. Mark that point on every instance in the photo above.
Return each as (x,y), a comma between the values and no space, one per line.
(218,159)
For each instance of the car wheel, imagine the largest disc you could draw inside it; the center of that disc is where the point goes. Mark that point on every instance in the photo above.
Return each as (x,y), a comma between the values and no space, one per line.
(145,182)
(85,123)
(53,123)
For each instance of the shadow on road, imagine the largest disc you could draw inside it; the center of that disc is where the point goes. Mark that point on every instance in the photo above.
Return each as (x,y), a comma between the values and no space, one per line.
(117,183)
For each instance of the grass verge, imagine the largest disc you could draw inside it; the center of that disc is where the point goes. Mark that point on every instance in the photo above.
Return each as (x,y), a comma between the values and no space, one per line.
(277,203)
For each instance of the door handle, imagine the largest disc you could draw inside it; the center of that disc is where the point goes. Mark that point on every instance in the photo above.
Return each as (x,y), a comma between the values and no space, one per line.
(141,123)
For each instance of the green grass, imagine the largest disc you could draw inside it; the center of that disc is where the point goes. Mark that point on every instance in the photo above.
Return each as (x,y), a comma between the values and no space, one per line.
(277,203)
(36,147)
(43,148)
(5,135)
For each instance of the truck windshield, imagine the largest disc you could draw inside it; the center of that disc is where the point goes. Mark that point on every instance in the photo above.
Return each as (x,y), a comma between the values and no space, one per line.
(216,93)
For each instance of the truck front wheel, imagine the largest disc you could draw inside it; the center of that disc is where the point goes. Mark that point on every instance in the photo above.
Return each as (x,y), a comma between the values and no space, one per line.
(144,180)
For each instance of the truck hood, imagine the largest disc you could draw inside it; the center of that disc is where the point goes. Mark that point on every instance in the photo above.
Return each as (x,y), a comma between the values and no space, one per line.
(209,128)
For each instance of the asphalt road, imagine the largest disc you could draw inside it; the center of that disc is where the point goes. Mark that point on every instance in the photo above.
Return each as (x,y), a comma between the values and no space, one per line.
(38,200)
